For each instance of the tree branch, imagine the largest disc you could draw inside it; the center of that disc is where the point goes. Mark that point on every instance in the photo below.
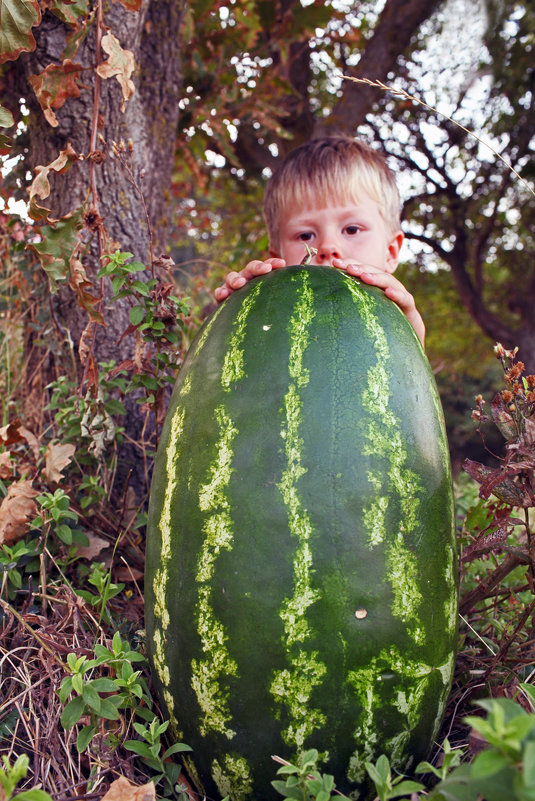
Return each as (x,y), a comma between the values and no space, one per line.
(399,22)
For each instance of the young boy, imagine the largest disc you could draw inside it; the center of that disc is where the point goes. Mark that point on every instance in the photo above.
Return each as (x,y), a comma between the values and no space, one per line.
(338,196)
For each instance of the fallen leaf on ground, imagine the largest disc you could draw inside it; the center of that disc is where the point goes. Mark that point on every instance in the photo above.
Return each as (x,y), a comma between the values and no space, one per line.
(57,458)
(16,510)
(122,790)
(15,432)
(95,547)
(6,470)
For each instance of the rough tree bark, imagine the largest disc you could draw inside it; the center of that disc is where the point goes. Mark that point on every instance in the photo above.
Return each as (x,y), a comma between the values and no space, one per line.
(149,120)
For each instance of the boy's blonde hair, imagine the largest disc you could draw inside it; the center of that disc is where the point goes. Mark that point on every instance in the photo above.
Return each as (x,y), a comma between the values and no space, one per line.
(331,170)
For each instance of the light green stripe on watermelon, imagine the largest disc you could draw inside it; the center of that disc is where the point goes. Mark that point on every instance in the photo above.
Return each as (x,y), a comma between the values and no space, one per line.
(233,777)
(233,368)
(293,686)
(384,441)
(450,604)
(366,684)
(217,529)
(204,332)
(161,577)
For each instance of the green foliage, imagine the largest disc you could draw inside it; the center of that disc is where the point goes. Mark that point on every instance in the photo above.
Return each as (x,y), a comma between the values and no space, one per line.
(89,421)
(505,768)
(11,775)
(55,517)
(15,561)
(106,590)
(303,781)
(102,697)
(152,752)
(386,786)
(156,316)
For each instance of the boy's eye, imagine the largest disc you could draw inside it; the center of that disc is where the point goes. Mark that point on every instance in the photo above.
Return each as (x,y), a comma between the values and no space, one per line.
(306,236)
(352,229)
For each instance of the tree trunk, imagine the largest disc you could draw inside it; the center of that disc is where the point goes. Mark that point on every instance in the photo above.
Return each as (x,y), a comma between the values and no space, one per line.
(400,20)
(149,121)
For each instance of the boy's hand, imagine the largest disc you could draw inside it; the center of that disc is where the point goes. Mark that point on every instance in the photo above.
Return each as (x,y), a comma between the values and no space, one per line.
(392,287)
(237,280)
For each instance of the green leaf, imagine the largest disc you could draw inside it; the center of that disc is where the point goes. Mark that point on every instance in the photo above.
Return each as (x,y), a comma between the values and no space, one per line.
(17,18)
(64,532)
(142,749)
(137,315)
(286,791)
(57,246)
(529,689)
(73,712)
(70,11)
(91,697)
(176,749)
(141,287)
(78,683)
(108,710)
(85,736)
(6,118)
(33,795)
(65,689)
(104,685)
(528,764)
(487,763)
(15,578)
(405,788)
(117,283)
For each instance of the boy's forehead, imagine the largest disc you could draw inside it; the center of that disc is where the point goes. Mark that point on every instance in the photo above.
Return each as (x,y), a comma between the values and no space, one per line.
(299,202)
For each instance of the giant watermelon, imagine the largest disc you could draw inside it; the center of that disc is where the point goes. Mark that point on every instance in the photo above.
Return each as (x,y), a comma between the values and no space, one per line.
(301,569)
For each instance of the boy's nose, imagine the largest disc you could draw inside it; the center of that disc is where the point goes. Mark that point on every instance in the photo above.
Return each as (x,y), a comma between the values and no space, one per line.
(328,251)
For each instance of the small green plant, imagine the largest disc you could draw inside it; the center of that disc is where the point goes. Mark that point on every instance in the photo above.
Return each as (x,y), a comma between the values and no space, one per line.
(303,781)
(505,769)
(55,516)
(106,589)
(15,560)
(388,787)
(451,758)
(100,697)
(88,421)
(11,775)
(149,748)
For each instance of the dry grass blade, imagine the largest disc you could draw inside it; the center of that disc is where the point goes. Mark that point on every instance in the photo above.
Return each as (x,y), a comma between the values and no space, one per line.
(406,96)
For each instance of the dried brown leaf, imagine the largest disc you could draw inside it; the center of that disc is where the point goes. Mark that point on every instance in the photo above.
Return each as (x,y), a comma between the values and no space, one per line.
(86,342)
(120,64)
(131,5)
(57,458)
(499,482)
(503,418)
(6,470)
(80,284)
(95,547)
(530,431)
(122,790)
(54,85)
(10,433)
(15,432)
(16,510)
(40,186)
